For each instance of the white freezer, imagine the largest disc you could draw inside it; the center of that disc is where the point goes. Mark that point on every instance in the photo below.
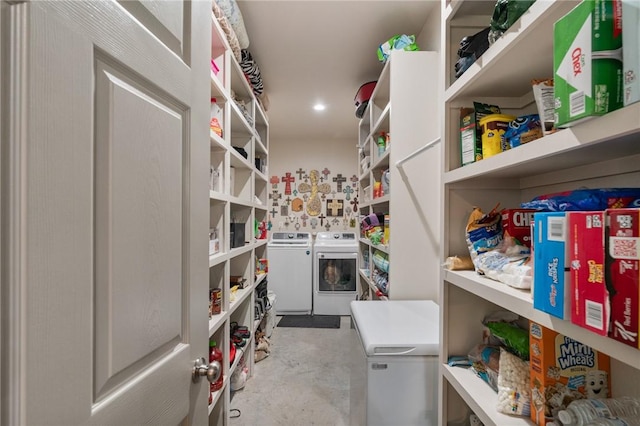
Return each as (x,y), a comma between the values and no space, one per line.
(394,371)
(290,272)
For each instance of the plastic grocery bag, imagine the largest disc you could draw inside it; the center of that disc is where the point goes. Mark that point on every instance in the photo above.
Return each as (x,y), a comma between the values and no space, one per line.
(505,14)
(397,42)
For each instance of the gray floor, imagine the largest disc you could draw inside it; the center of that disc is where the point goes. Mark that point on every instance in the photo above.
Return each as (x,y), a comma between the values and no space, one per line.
(304,381)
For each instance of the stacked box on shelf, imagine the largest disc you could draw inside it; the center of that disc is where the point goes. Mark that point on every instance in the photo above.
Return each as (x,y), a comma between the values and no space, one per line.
(590,305)
(562,370)
(623,261)
(587,61)
(551,278)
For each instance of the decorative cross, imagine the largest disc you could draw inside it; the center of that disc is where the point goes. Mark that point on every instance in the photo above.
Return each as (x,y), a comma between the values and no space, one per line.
(273,212)
(304,218)
(287,179)
(295,192)
(300,173)
(327,226)
(347,210)
(305,197)
(326,172)
(275,180)
(322,218)
(354,203)
(348,190)
(287,200)
(323,196)
(314,223)
(335,206)
(335,221)
(306,178)
(354,180)
(284,210)
(275,196)
(339,179)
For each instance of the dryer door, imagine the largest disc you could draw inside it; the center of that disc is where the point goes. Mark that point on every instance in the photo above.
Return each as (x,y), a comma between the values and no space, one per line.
(336,272)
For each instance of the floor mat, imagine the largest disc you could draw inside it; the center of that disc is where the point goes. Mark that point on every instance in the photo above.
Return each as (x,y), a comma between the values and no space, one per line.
(310,321)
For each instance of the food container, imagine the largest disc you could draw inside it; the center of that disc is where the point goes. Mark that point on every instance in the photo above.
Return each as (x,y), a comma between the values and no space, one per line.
(492,127)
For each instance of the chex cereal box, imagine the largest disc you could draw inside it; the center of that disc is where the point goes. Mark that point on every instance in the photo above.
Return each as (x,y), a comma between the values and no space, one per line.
(624,274)
(517,223)
(587,61)
(590,302)
(561,371)
(631,50)
(552,281)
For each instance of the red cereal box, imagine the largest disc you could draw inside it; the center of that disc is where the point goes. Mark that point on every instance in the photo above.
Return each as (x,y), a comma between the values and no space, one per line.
(623,267)
(590,302)
(517,223)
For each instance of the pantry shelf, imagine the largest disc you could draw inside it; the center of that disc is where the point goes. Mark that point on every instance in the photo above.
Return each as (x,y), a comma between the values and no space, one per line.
(520,302)
(216,321)
(531,37)
(612,136)
(479,397)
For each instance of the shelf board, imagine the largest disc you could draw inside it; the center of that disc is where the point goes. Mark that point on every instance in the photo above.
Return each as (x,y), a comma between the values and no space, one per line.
(239,124)
(241,296)
(240,250)
(216,321)
(217,394)
(520,302)
(217,258)
(217,89)
(218,196)
(216,141)
(480,398)
(376,201)
(260,277)
(530,37)
(588,142)
(261,175)
(240,201)
(382,124)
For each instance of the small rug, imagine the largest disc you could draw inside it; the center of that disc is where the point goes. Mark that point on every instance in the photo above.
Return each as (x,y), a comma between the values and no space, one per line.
(310,321)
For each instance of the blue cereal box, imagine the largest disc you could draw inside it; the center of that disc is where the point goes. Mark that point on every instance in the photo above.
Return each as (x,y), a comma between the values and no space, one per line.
(551,277)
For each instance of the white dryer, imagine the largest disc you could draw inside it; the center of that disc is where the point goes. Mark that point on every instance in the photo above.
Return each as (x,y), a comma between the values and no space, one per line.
(335,272)
(290,266)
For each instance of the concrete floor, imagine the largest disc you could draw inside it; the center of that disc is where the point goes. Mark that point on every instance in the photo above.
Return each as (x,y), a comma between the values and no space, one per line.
(304,381)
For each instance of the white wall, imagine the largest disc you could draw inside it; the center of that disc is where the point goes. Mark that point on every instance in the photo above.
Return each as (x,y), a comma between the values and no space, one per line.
(337,156)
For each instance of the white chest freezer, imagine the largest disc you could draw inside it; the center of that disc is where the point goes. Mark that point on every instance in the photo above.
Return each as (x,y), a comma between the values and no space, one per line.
(394,365)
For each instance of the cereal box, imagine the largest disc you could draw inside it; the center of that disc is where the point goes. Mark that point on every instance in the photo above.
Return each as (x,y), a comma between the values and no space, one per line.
(563,370)
(631,50)
(587,61)
(590,304)
(552,288)
(517,223)
(470,149)
(624,274)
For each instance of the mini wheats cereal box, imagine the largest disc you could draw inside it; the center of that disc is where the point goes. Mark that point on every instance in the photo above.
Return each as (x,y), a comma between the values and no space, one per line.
(561,371)
(590,304)
(622,264)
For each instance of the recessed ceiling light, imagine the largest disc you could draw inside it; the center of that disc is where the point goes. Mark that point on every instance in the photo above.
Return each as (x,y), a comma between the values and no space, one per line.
(319,107)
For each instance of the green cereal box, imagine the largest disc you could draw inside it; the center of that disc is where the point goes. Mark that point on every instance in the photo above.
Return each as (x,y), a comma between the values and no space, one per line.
(631,50)
(587,61)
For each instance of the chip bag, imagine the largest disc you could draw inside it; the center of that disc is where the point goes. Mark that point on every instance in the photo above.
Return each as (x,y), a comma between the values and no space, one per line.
(397,42)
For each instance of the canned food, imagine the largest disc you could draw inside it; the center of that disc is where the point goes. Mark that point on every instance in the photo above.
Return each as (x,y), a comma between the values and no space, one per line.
(215,301)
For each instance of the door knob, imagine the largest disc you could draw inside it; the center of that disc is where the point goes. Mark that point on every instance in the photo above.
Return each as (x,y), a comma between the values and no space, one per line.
(211,371)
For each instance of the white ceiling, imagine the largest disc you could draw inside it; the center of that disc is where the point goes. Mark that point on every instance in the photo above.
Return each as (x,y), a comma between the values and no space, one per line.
(310,51)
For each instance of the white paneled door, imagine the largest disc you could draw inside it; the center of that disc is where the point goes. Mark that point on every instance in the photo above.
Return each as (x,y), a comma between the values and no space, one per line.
(104,214)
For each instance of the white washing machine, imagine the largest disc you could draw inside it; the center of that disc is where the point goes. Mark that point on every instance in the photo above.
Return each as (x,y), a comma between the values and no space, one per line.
(335,272)
(290,272)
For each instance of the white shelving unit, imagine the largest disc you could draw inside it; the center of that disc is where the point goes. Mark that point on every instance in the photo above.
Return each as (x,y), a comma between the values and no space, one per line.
(238,197)
(398,107)
(602,152)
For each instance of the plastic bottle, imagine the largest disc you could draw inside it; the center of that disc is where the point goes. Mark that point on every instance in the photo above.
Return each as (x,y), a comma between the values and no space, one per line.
(582,411)
(215,354)
(618,421)
(382,144)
